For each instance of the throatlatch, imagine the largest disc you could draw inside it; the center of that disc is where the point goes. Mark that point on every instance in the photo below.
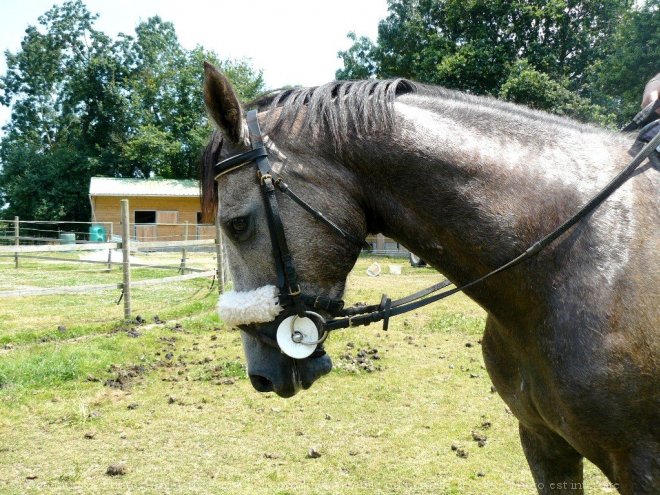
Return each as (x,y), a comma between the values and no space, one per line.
(301,328)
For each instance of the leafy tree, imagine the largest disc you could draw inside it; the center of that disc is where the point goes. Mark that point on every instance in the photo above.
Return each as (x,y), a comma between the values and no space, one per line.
(495,47)
(359,59)
(61,85)
(538,90)
(632,57)
(84,104)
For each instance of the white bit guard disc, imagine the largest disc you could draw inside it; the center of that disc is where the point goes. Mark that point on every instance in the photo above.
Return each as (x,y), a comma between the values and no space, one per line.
(302,329)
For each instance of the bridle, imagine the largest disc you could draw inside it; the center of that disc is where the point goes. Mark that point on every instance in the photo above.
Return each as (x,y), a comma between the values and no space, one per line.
(291,298)
(301,316)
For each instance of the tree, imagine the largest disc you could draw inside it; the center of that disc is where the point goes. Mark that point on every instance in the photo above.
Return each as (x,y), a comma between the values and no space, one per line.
(359,61)
(62,89)
(538,90)
(495,47)
(84,104)
(632,57)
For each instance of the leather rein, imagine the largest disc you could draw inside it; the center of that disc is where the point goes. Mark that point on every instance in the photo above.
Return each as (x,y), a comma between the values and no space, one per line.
(303,306)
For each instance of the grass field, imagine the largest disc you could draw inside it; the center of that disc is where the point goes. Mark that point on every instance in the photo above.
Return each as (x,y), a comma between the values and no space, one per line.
(169,405)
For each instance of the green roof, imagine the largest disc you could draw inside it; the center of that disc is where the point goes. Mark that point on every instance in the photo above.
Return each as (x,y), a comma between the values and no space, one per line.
(103,186)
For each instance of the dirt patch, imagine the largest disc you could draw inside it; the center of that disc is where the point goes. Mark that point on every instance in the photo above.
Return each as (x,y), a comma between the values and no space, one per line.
(133,333)
(116,469)
(365,359)
(479,437)
(124,376)
(313,453)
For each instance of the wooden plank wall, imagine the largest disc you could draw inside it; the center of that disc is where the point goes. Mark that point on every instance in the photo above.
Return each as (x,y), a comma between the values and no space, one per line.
(170,210)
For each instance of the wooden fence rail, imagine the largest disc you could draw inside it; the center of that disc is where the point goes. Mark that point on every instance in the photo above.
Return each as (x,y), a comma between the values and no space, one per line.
(76,289)
(60,248)
(97,246)
(107,263)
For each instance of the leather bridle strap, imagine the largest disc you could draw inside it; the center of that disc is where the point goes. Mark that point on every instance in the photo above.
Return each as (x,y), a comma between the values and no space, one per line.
(287,277)
(359,310)
(282,186)
(645,116)
(237,161)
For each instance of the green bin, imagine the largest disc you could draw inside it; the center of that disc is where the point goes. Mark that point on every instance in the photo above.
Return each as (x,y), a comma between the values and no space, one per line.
(97,233)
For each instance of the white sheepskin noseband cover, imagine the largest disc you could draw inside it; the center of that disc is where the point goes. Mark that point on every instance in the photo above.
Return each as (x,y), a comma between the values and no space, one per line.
(254,306)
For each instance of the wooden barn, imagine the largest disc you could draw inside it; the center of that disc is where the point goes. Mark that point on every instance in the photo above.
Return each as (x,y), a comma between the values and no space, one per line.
(160,209)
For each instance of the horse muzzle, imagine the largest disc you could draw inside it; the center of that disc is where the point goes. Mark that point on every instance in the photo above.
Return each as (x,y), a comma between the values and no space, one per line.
(298,335)
(270,370)
(284,351)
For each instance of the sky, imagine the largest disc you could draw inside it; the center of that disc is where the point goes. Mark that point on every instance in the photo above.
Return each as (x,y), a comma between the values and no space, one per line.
(292,41)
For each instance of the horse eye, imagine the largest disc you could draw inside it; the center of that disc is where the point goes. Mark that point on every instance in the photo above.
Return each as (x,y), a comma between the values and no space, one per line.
(239,224)
(239,228)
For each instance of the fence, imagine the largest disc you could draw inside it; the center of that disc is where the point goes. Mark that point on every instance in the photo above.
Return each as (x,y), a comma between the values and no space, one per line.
(42,231)
(48,231)
(41,245)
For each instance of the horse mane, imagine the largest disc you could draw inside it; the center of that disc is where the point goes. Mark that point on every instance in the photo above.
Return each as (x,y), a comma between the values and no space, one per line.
(341,110)
(336,109)
(207,187)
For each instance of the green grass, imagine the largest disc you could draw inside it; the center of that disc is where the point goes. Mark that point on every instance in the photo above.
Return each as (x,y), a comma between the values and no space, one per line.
(183,417)
(41,318)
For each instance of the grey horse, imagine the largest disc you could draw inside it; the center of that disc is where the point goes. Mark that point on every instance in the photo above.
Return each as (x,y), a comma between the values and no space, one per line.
(468,183)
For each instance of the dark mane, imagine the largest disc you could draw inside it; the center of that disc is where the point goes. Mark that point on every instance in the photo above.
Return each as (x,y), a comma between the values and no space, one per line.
(335,109)
(341,109)
(208,190)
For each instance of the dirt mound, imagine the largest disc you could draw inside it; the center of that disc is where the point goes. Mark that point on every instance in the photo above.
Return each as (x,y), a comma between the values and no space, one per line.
(124,376)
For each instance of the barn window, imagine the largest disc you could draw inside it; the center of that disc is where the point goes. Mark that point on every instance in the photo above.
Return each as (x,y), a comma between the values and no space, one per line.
(145,216)
(168,216)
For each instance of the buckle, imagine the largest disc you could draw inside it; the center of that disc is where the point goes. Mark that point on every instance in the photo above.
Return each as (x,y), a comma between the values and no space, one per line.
(264,177)
(296,292)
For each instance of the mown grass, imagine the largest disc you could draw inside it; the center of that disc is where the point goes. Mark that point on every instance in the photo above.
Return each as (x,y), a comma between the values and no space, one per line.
(62,317)
(175,406)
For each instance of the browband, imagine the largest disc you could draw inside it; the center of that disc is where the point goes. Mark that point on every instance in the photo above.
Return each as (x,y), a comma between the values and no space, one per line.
(237,161)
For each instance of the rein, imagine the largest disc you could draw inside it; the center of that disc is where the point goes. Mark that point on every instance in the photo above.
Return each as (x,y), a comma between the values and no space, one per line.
(301,331)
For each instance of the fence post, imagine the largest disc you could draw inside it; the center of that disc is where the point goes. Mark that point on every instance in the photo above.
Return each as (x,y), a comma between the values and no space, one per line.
(220,255)
(17,241)
(125,247)
(184,251)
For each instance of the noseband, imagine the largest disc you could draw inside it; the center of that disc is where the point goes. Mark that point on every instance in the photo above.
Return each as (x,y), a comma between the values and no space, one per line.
(301,328)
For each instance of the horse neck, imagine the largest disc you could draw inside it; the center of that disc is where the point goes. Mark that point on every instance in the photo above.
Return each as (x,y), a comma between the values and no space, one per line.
(468,187)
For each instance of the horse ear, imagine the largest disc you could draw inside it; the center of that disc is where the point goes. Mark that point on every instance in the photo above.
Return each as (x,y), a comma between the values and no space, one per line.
(222,103)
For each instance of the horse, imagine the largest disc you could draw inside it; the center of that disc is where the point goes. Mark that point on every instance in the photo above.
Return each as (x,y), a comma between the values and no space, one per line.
(571,340)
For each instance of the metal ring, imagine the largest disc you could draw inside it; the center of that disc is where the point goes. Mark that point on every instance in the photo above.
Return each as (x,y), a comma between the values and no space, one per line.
(323,336)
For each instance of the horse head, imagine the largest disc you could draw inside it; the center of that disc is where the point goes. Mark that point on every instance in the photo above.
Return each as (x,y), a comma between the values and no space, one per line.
(322,260)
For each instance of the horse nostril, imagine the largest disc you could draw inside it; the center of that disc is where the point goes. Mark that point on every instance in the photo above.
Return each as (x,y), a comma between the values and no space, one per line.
(261,384)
